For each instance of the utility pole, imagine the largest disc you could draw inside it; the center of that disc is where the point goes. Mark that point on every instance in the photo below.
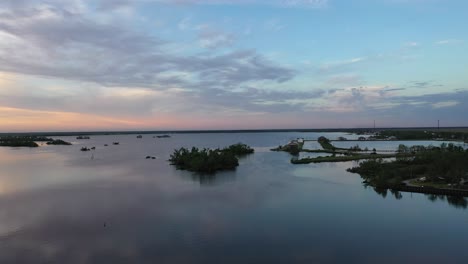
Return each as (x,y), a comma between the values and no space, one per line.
(438,125)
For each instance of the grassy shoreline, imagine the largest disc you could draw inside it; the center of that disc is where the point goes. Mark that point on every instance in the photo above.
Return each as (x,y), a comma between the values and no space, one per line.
(347,158)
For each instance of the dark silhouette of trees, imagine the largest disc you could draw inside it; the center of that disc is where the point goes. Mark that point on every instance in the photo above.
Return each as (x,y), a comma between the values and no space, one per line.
(446,164)
(209,160)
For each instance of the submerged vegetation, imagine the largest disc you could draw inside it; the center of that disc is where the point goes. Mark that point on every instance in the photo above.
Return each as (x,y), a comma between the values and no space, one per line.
(439,167)
(209,160)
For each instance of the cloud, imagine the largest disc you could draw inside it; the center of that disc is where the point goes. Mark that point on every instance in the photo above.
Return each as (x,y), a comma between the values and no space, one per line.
(413,1)
(412,44)
(445,104)
(351,99)
(313,4)
(423,84)
(305,3)
(52,41)
(259,100)
(344,79)
(185,23)
(213,39)
(340,65)
(114,4)
(274,25)
(449,42)
(424,110)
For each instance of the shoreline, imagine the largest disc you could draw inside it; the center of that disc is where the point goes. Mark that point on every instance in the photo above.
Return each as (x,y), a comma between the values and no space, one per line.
(272,130)
(431,190)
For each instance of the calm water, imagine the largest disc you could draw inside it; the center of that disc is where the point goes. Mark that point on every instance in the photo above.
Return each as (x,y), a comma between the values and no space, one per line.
(61,205)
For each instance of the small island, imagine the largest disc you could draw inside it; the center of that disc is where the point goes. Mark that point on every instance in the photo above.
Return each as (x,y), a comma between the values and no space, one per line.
(58,142)
(29,141)
(12,141)
(293,147)
(209,160)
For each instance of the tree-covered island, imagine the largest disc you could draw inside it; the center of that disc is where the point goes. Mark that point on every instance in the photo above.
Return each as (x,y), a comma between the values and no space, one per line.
(434,167)
(29,141)
(209,160)
(58,142)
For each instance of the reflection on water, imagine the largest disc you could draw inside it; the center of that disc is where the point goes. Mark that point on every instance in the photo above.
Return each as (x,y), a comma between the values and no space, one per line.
(212,178)
(455,201)
(458,202)
(59,205)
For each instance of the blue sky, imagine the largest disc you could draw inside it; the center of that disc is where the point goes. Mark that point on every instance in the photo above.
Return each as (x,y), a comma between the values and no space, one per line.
(222,64)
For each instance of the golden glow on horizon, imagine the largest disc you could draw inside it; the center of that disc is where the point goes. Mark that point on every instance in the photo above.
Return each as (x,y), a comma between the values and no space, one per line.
(17,119)
(25,119)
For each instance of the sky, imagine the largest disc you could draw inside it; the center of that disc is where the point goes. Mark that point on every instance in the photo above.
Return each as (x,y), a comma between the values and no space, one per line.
(81,65)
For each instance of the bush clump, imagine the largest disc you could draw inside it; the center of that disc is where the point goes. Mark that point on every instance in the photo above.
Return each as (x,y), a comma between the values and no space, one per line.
(28,141)
(209,160)
(239,149)
(58,142)
(17,141)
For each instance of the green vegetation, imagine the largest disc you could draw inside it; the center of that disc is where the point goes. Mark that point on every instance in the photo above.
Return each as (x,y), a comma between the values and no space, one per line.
(296,146)
(29,141)
(318,151)
(325,143)
(17,142)
(434,166)
(421,135)
(293,147)
(347,158)
(58,142)
(209,160)
(239,149)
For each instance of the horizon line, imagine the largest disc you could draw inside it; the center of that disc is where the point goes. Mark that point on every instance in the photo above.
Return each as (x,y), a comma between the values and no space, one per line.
(175,131)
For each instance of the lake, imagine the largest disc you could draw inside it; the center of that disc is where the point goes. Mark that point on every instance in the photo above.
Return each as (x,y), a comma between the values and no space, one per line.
(61,205)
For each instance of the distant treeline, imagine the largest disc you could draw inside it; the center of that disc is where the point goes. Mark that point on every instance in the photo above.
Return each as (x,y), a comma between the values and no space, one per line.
(421,135)
(349,130)
(29,141)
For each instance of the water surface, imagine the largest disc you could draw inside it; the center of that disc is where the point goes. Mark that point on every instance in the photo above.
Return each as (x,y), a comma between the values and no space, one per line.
(111,205)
